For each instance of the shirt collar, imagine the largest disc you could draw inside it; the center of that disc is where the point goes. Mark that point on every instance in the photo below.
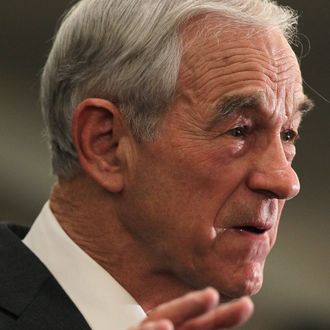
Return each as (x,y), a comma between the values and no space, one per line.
(103,302)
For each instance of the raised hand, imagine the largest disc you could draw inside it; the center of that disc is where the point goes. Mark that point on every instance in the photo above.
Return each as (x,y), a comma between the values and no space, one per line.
(198,310)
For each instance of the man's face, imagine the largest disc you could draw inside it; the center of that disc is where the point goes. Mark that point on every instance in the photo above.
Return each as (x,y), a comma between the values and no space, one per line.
(206,195)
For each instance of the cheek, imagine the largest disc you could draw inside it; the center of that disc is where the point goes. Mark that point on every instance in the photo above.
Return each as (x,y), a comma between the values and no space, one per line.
(204,182)
(180,193)
(211,169)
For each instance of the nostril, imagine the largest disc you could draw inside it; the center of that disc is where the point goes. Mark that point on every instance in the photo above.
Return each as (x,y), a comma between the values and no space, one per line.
(268,193)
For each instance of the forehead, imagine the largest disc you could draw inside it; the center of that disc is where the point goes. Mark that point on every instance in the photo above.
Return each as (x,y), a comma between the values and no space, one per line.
(220,63)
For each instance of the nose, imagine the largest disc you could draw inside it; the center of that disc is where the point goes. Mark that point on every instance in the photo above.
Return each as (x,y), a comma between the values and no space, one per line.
(273,175)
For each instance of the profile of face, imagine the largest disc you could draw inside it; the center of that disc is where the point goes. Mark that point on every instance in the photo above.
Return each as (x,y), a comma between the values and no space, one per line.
(207,193)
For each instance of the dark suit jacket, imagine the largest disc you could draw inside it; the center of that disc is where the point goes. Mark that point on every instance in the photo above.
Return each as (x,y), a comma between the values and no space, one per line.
(30,297)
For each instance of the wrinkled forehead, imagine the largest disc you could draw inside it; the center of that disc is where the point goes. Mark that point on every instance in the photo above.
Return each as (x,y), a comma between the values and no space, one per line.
(205,27)
(235,56)
(205,34)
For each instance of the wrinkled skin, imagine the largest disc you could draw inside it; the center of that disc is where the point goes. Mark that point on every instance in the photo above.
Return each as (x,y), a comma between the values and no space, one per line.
(205,175)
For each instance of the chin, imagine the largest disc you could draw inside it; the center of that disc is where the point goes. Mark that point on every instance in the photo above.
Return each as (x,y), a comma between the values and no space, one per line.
(245,282)
(250,287)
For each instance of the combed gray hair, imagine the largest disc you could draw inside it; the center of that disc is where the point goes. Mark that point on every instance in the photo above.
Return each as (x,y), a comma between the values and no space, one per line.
(129,52)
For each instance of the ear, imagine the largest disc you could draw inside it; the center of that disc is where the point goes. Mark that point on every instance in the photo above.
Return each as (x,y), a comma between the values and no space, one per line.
(100,135)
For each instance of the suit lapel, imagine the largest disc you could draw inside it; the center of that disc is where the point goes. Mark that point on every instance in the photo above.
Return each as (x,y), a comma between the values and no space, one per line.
(29,294)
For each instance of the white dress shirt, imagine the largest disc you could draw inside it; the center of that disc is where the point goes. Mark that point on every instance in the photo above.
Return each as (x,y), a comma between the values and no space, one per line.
(102,301)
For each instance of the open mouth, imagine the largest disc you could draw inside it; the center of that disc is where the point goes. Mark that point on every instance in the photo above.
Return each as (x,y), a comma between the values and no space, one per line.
(251,229)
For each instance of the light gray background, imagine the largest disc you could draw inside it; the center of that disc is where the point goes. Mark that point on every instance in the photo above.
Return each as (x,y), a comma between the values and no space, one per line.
(296,293)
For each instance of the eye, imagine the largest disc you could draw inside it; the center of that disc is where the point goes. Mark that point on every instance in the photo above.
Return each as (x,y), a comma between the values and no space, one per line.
(239,132)
(289,135)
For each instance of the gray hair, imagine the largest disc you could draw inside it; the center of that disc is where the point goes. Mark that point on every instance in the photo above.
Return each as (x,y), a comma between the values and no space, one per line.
(129,52)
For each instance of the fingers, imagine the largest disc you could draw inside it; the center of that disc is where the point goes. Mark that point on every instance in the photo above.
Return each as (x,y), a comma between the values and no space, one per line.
(189,306)
(198,310)
(223,317)
(156,325)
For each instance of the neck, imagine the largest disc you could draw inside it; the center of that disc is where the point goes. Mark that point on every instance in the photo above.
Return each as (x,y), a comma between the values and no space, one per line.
(88,215)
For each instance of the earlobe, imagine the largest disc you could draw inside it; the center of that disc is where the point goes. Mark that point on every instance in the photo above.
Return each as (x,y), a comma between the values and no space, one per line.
(98,129)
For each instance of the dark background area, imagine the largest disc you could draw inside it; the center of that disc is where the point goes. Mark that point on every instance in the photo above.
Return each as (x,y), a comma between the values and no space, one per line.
(296,293)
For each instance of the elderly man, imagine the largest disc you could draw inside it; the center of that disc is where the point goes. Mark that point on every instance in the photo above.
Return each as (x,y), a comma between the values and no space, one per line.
(172,127)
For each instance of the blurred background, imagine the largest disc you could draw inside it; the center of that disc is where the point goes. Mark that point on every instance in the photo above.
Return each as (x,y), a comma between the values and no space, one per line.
(296,292)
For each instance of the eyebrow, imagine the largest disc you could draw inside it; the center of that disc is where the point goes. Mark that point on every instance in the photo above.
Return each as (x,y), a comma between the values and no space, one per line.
(230,105)
(306,106)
